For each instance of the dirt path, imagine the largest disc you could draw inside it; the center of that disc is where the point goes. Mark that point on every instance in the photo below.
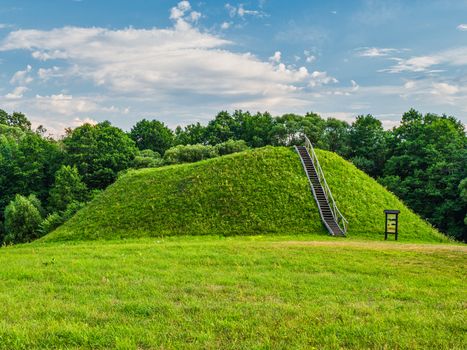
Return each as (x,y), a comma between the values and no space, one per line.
(378,245)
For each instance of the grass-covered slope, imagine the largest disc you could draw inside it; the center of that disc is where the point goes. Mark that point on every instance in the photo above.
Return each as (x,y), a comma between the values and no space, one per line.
(261,191)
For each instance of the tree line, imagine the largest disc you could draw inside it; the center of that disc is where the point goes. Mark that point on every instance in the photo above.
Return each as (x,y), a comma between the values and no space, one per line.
(44,181)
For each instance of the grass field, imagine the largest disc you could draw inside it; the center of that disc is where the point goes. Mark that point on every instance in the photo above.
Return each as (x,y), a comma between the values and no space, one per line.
(233,293)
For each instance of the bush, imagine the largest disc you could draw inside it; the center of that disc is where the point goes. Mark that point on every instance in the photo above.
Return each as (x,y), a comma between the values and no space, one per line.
(22,219)
(231,146)
(189,153)
(54,220)
(147,159)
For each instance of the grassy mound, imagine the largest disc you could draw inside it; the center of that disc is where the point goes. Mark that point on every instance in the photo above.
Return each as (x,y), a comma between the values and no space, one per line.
(262,191)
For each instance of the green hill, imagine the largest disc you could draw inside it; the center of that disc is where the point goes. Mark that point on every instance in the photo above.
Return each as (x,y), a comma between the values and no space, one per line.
(262,191)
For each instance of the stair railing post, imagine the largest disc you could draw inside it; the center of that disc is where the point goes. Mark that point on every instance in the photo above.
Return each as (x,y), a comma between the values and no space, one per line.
(338,217)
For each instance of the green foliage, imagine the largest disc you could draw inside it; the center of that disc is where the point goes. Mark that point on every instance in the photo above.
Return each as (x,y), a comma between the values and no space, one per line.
(27,164)
(463,195)
(426,163)
(99,152)
(231,146)
(367,145)
(68,187)
(335,136)
(422,161)
(290,128)
(261,191)
(55,219)
(192,134)
(147,159)
(291,292)
(189,153)
(153,135)
(22,218)
(221,128)
(256,130)
(15,119)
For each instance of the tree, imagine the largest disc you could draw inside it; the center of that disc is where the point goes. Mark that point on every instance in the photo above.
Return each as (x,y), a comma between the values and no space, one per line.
(428,157)
(3,117)
(463,195)
(16,119)
(68,188)
(221,128)
(99,152)
(28,163)
(153,135)
(256,130)
(192,134)
(335,136)
(290,128)
(367,145)
(19,120)
(22,218)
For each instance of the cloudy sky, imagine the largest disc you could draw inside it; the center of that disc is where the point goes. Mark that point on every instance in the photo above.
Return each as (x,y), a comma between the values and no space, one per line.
(65,62)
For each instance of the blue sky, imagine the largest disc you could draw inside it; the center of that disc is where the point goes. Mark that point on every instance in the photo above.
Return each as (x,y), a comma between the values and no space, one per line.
(65,62)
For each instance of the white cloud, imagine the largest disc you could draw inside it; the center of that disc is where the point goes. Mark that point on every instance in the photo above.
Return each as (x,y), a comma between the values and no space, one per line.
(445,89)
(65,104)
(375,51)
(388,124)
(226,25)
(410,84)
(182,14)
(276,57)
(241,11)
(355,86)
(309,57)
(160,62)
(179,11)
(17,93)
(462,27)
(48,73)
(231,9)
(321,78)
(454,57)
(194,16)
(78,122)
(51,55)
(22,77)
(414,64)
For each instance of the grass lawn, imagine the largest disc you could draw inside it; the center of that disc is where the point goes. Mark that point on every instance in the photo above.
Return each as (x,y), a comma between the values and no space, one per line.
(233,293)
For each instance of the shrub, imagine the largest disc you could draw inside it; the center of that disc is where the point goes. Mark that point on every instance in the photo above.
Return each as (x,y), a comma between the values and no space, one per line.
(50,223)
(231,146)
(147,159)
(54,220)
(189,153)
(22,219)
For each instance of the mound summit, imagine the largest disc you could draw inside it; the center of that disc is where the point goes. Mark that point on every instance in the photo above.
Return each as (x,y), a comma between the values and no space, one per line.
(260,191)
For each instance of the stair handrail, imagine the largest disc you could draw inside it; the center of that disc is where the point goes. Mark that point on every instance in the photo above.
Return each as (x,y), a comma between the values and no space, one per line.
(337,215)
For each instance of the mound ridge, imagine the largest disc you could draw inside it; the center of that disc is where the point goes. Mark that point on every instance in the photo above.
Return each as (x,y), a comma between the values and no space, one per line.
(261,191)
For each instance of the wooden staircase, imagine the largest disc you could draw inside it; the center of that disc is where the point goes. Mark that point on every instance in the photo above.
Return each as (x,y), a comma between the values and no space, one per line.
(332,218)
